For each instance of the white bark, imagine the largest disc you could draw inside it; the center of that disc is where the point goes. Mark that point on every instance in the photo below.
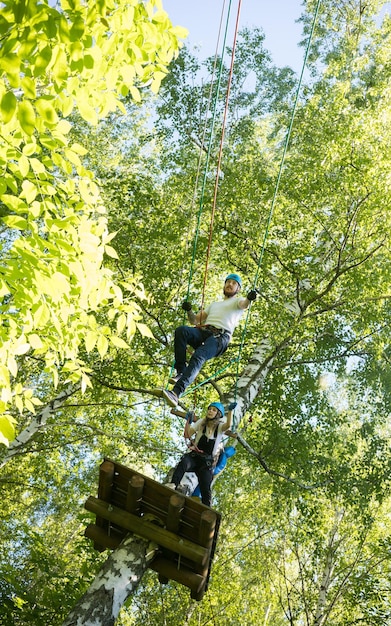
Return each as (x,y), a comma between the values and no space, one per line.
(115,582)
(122,572)
(251,381)
(322,609)
(38,423)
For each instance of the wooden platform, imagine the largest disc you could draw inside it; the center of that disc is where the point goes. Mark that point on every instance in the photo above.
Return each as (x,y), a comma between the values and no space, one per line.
(185,530)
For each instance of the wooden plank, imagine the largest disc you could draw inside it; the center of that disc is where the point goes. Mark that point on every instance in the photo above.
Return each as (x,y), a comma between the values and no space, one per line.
(99,536)
(207,528)
(154,500)
(106,477)
(185,576)
(198,595)
(148,530)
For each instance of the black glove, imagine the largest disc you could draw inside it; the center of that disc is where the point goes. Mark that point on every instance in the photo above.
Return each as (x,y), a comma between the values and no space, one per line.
(190,415)
(232,406)
(252,294)
(186,306)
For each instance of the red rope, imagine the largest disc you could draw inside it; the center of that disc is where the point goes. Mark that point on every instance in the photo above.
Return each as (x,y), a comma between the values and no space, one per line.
(216,185)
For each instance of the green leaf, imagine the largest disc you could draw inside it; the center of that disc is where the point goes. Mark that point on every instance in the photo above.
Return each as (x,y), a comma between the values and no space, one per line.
(118,342)
(7,429)
(8,106)
(111,252)
(41,315)
(102,345)
(28,86)
(29,191)
(24,165)
(14,221)
(26,116)
(22,348)
(87,111)
(60,65)
(77,29)
(14,203)
(35,341)
(30,148)
(46,110)
(90,340)
(144,330)
(42,60)
(179,31)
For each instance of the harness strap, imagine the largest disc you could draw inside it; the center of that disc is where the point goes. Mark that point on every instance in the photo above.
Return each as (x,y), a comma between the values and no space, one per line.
(217,332)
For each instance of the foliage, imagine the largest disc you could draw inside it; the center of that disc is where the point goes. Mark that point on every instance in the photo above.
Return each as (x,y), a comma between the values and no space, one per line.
(54,284)
(305,505)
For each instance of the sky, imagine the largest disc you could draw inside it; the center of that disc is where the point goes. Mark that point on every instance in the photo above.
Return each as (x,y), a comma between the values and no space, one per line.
(277,18)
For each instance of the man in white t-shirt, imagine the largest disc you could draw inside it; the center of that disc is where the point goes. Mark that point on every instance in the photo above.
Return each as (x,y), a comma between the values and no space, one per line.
(210,335)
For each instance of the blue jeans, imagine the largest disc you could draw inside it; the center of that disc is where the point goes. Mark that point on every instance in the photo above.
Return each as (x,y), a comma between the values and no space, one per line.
(206,346)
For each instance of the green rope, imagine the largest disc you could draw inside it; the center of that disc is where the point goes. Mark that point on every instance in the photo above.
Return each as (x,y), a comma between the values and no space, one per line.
(214,115)
(271,212)
(212,377)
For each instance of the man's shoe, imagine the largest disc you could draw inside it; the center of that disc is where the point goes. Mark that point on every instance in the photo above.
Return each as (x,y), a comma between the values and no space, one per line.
(174,379)
(170,485)
(170,397)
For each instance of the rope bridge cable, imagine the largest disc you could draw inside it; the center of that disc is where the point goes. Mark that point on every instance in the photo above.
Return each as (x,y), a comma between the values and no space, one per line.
(271,211)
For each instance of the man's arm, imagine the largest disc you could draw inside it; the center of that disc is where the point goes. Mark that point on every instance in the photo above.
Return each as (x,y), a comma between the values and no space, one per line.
(194,318)
(245,303)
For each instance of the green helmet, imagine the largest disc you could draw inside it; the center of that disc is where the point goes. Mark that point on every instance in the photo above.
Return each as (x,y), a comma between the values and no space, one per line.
(218,406)
(234,277)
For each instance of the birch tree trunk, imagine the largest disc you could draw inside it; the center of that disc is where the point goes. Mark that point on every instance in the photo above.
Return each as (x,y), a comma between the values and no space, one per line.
(38,423)
(322,606)
(250,383)
(118,578)
(122,572)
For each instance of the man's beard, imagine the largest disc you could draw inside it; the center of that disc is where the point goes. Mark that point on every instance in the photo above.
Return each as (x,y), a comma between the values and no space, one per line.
(230,295)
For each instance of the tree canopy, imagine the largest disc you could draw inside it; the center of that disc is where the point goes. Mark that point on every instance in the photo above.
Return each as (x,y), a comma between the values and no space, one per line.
(116,237)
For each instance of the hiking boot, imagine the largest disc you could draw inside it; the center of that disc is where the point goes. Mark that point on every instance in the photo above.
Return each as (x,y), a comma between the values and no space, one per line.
(170,397)
(174,379)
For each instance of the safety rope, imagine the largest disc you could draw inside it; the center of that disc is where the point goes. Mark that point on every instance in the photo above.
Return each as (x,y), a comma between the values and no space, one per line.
(209,150)
(216,185)
(201,150)
(218,169)
(270,214)
(271,211)
(202,147)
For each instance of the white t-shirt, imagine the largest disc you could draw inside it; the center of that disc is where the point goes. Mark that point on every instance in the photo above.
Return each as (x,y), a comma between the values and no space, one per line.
(224,314)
